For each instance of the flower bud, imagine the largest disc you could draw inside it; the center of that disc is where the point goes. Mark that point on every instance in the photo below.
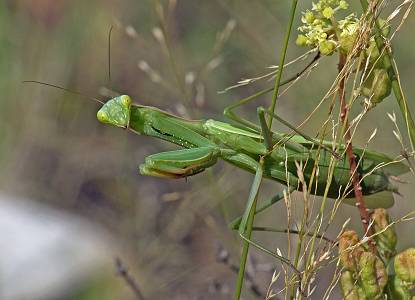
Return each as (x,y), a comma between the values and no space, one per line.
(373,275)
(398,289)
(301,40)
(386,238)
(348,251)
(405,265)
(327,47)
(377,86)
(348,286)
(328,12)
(343,4)
(372,52)
(347,41)
(308,17)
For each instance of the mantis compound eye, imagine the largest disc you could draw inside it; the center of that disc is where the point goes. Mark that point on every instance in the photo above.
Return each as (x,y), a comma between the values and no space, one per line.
(126,100)
(102,116)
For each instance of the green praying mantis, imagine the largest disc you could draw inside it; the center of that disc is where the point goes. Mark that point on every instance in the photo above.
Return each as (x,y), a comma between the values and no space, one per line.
(206,141)
(265,153)
(259,150)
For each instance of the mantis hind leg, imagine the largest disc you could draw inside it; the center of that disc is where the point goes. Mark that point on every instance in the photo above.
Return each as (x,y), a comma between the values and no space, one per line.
(245,228)
(284,138)
(229,111)
(179,163)
(235,224)
(246,225)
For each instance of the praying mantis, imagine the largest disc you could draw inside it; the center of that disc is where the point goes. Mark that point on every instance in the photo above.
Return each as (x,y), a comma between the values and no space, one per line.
(265,153)
(206,141)
(268,154)
(260,151)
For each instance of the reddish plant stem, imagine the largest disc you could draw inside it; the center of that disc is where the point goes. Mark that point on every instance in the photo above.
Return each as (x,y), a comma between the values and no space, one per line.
(364,213)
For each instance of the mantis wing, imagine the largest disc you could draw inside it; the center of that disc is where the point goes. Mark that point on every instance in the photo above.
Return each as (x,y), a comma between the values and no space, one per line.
(390,165)
(378,200)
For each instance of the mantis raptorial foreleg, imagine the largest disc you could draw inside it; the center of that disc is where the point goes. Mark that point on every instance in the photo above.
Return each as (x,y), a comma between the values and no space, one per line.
(179,163)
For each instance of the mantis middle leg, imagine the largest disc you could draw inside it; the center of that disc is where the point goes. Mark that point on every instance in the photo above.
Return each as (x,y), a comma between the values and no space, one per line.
(245,231)
(229,113)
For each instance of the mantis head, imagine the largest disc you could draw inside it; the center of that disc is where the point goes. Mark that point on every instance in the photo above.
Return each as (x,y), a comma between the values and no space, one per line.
(116,111)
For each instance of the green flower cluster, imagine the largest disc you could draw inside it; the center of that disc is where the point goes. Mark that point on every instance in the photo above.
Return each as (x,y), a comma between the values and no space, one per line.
(365,275)
(320,29)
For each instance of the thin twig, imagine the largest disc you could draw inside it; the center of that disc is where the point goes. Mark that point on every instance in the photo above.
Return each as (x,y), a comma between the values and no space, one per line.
(223,257)
(282,60)
(130,280)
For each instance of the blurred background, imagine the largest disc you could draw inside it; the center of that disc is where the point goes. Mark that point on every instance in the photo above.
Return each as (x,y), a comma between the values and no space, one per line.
(71,197)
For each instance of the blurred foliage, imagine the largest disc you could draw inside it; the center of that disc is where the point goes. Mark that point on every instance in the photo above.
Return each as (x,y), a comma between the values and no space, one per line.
(53,150)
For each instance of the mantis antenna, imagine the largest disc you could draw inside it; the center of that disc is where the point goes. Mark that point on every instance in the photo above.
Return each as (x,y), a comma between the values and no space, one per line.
(109,55)
(78,93)
(109,88)
(65,89)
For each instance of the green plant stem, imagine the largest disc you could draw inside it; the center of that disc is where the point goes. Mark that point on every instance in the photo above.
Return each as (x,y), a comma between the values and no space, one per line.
(244,256)
(282,60)
(396,87)
(299,243)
